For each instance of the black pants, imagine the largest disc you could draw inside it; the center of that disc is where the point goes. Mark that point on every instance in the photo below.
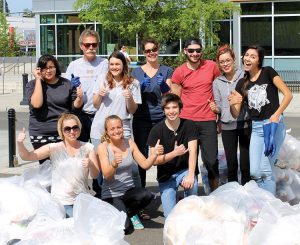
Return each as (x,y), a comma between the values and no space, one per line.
(131,203)
(86,121)
(231,139)
(208,142)
(141,131)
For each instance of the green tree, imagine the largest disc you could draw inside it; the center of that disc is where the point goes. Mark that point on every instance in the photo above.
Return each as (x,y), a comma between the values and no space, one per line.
(6,7)
(165,20)
(27,13)
(8,41)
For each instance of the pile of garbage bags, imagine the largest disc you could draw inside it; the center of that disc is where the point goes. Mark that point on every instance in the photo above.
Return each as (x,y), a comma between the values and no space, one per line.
(233,215)
(29,215)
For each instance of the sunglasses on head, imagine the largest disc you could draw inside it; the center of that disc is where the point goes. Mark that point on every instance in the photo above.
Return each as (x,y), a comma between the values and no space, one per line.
(151,50)
(68,129)
(87,45)
(192,50)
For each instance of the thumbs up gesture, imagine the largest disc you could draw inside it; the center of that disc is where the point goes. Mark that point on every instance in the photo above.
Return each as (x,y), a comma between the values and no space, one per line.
(159,149)
(22,136)
(213,106)
(179,149)
(127,93)
(86,161)
(103,90)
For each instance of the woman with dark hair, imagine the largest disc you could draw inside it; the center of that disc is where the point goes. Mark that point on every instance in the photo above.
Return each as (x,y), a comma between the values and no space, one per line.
(117,156)
(49,96)
(259,89)
(72,161)
(235,132)
(155,80)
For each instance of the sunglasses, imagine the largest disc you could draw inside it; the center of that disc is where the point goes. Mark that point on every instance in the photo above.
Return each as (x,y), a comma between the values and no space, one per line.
(192,50)
(87,45)
(68,129)
(152,50)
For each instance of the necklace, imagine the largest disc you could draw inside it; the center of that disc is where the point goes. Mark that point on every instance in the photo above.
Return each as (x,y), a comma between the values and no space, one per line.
(174,129)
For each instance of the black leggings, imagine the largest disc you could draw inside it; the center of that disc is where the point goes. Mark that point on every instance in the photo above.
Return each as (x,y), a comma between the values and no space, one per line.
(231,139)
(131,203)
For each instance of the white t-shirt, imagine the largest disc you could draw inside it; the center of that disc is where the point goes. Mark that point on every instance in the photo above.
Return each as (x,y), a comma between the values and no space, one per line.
(113,103)
(69,177)
(88,72)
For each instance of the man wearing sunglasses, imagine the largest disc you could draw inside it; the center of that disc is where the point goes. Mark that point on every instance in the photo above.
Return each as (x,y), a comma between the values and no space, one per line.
(86,71)
(193,81)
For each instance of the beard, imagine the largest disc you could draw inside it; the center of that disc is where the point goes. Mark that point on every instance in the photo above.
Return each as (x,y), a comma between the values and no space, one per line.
(193,60)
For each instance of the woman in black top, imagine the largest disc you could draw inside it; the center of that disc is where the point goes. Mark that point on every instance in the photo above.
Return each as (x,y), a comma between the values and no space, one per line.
(49,96)
(259,88)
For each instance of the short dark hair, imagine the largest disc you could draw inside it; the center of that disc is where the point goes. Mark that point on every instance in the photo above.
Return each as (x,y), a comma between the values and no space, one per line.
(149,40)
(44,59)
(191,41)
(167,98)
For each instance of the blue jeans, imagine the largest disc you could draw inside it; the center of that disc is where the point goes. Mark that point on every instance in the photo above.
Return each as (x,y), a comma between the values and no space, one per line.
(69,211)
(260,165)
(169,188)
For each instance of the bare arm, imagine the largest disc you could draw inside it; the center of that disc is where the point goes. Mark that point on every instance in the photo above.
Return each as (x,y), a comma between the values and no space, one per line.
(91,162)
(235,102)
(287,97)
(78,102)
(36,99)
(130,103)
(188,180)
(108,169)
(139,157)
(97,97)
(176,89)
(35,155)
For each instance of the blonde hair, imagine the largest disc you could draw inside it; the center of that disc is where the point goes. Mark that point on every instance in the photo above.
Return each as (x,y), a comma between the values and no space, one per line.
(105,137)
(64,117)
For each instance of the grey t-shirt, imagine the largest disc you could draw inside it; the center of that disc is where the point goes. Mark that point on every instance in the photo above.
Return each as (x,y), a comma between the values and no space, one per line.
(113,103)
(88,73)
(122,180)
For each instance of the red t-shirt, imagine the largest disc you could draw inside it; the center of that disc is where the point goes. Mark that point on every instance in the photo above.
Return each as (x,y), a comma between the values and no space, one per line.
(196,90)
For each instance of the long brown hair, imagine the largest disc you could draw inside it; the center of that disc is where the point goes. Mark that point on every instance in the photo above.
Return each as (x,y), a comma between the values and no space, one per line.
(126,79)
(261,55)
(105,137)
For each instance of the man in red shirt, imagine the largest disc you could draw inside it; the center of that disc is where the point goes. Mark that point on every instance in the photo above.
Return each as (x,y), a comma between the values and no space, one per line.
(193,81)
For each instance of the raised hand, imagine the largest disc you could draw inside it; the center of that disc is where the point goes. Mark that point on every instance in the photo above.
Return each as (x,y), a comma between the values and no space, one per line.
(235,98)
(86,161)
(37,73)
(159,149)
(22,136)
(118,158)
(103,90)
(179,149)
(75,81)
(146,82)
(79,91)
(127,93)
(213,106)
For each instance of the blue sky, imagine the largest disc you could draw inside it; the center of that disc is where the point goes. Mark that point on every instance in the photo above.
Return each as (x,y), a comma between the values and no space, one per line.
(18,5)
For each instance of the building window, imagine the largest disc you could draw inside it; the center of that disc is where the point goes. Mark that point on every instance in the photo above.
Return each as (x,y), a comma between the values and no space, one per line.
(47,19)
(257,30)
(287,35)
(287,8)
(68,18)
(67,38)
(47,40)
(224,32)
(256,8)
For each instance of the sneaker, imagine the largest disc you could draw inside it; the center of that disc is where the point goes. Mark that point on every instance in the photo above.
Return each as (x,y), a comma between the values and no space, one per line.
(137,224)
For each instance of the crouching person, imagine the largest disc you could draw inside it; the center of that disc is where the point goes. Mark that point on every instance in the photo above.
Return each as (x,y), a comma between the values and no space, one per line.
(117,156)
(72,161)
(178,166)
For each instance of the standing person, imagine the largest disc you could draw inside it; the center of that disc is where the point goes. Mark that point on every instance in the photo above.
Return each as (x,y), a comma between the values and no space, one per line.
(178,166)
(234,131)
(122,49)
(86,71)
(259,89)
(193,81)
(72,161)
(117,155)
(49,96)
(154,81)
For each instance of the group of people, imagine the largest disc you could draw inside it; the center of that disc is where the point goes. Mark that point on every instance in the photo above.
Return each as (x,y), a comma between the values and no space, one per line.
(153,116)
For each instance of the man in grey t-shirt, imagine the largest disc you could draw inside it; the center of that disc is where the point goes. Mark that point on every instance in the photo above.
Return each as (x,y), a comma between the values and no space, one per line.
(86,70)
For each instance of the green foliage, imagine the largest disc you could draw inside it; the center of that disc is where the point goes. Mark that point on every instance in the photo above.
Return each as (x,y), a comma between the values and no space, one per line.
(6,7)
(164,20)
(8,42)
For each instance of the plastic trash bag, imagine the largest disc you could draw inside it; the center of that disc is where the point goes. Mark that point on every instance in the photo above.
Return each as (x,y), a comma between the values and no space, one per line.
(204,220)
(98,222)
